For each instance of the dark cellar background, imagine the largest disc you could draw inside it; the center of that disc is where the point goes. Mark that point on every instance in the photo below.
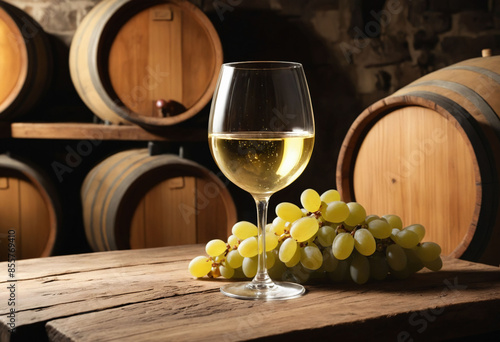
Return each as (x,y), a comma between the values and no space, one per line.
(355,52)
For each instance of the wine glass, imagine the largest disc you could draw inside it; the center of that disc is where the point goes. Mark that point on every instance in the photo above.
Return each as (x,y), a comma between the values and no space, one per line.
(261,135)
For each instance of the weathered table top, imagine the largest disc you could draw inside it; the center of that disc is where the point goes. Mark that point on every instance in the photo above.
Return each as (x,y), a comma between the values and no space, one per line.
(148,295)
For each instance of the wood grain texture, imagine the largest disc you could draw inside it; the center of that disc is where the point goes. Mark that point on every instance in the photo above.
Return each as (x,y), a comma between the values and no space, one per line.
(159,212)
(148,295)
(431,153)
(156,199)
(9,211)
(126,55)
(150,48)
(30,206)
(423,178)
(35,227)
(82,67)
(26,62)
(89,131)
(13,59)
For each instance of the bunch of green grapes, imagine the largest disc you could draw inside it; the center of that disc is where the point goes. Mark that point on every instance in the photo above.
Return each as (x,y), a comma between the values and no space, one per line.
(326,238)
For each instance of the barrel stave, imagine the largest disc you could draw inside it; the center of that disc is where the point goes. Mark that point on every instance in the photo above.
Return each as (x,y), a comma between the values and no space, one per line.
(135,200)
(449,179)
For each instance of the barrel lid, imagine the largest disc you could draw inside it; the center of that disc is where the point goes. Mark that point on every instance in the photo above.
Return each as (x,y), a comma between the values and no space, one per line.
(159,61)
(13,60)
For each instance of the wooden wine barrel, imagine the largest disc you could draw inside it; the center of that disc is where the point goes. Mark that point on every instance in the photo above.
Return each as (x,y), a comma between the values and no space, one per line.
(135,200)
(25,62)
(431,154)
(151,62)
(29,210)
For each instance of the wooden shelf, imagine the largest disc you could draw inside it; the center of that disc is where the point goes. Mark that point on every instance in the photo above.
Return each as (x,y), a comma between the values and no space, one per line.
(91,131)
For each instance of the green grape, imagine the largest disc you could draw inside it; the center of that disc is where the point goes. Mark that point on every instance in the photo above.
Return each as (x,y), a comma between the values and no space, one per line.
(414,262)
(342,246)
(336,212)
(325,236)
(417,229)
(310,243)
(428,251)
(300,273)
(277,270)
(244,229)
(379,228)
(359,269)
(221,259)
(396,257)
(341,272)
(357,214)
(322,207)
(311,257)
(364,242)
(248,247)
(276,253)
(234,259)
(407,238)
(238,273)
(370,218)
(271,242)
(318,274)
(215,272)
(350,254)
(295,259)
(329,261)
(310,200)
(434,265)
(288,211)
(297,274)
(304,228)
(394,235)
(269,227)
(330,196)
(233,241)
(394,221)
(402,274)
(200,266)
(278,226)
(379,269)
(249,267)
(226,271)
(348,228)
(215,247)
(270,260)
(287,250)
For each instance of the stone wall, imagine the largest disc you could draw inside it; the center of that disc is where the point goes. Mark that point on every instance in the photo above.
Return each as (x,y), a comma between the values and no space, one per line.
(58,17)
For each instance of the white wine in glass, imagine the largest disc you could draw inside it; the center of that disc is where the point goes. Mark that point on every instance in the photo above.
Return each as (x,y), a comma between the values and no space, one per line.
(261,134)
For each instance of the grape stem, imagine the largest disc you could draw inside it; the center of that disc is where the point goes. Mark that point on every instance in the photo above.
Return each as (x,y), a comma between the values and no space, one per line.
(284,236)
(316,215)
(382,244)
(340,229)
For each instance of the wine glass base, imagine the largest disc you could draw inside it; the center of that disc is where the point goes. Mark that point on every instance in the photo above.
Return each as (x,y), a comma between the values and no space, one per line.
(276,291)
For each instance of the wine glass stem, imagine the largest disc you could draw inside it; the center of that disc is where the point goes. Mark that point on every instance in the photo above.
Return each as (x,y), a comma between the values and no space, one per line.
(262,279)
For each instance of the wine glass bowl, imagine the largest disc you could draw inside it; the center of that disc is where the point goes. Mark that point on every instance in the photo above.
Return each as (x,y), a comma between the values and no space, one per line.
(261,135)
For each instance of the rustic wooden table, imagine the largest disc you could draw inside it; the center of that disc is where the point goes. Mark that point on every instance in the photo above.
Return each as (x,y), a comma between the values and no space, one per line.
(148,295)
